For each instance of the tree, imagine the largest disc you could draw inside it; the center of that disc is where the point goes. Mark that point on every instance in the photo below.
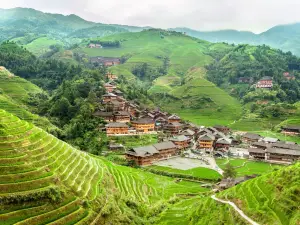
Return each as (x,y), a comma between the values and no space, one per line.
(229,171)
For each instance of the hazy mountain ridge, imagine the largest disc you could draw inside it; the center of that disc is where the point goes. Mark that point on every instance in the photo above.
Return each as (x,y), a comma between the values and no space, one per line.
(284,37)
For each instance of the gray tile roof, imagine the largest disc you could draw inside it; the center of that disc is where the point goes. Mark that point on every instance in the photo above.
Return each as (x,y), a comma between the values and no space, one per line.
(143,151)
(164,145)
(283,151)
(252,136)
(179,138)
(207,137)
(123,125)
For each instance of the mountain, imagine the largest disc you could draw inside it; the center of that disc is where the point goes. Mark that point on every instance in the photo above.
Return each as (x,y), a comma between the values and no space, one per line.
(44,180)
(172,67)
(284,37)
(199,80)
(25,25)
(229,36)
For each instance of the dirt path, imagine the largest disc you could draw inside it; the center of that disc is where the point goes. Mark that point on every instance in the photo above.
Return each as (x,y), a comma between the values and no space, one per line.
(235,208)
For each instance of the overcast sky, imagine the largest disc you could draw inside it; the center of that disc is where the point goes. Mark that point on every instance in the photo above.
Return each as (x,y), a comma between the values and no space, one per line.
(251,15)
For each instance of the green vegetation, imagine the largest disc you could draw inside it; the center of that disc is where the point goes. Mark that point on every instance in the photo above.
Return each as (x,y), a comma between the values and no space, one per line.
(246,167)
(39,174)
(135,141)
(199,172)
(270,199)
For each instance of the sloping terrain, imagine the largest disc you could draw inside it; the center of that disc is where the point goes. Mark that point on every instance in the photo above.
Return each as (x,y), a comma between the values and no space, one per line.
(44,180)
(182,87)
(39,31)
(14,96)
(272,198)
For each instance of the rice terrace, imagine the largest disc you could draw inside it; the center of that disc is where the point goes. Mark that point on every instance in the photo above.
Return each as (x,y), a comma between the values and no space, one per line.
(110,124)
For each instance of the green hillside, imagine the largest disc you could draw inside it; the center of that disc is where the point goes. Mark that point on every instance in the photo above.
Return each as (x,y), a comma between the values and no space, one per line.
(272,198)
(44,180)
(172,67)
(38,31)
(15,93)
(16,88)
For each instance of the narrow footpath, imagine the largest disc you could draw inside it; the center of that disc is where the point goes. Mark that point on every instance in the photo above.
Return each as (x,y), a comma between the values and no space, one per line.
(235,208)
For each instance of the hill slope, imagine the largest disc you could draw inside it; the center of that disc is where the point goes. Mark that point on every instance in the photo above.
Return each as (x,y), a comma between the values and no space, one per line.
(38,31)
(272,198)
(15,93)
(172,66)
(44,180)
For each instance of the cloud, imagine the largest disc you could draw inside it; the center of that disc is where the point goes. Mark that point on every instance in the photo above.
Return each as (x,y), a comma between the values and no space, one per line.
(254,15)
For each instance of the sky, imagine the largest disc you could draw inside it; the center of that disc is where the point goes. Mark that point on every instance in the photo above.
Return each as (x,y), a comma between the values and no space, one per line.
(205,15)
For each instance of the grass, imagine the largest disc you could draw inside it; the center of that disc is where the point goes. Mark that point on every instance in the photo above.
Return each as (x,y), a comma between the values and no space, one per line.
(41,45)
(199,172)
(248,167)
(135,141)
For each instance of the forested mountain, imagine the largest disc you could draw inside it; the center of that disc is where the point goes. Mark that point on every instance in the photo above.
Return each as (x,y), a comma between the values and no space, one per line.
(203,78)
(26,25)
(284,37)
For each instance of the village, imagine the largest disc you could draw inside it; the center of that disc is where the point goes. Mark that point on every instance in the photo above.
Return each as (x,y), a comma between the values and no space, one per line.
(180,139)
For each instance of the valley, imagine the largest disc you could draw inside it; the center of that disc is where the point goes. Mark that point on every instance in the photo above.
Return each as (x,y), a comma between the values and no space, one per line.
(115,124)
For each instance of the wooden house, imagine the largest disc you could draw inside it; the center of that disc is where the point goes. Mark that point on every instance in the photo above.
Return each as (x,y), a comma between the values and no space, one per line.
(118,93)
(181,141)
(166,149)
(173,128)
(283,152)
(174,119)
(288,76)
(206,141)
(122,117)
(109,87)
(291,130)
(223,144)
(148,154)
(107,116)
(265,82)
(188,133)
(115,106)
(116,129)
(275,152)
(223,129)
(143,156)
(106,61)
(109,97)
(250,137)
(143,125)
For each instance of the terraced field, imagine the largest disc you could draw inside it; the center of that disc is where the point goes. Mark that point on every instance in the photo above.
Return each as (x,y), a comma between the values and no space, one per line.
(270,199)
(44,180)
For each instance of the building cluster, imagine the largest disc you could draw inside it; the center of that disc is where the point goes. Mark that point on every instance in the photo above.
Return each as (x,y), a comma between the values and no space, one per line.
(288,76)
(105,61)
(215,140)
(265,83)
(93,45)
(271,149)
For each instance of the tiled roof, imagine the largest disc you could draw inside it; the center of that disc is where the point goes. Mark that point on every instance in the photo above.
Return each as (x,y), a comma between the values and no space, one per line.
(123,125)
(164,145)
